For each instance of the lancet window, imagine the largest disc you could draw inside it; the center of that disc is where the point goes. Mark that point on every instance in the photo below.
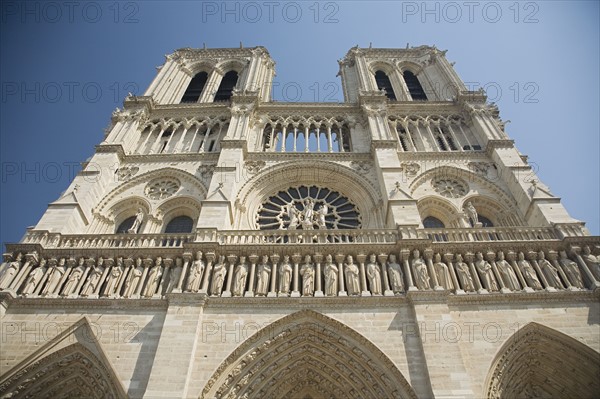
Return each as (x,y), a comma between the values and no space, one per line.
(194,89)
(414,86)
(196,136)
(434,134)
(306,136)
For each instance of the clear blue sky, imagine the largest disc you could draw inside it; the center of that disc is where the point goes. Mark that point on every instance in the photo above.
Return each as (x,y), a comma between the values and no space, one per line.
(66,65)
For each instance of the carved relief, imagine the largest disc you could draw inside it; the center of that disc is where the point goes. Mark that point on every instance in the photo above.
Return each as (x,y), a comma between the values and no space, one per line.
(450,187)
(162,188)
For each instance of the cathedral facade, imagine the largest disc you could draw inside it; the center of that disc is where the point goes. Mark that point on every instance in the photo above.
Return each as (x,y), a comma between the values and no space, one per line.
(223,245)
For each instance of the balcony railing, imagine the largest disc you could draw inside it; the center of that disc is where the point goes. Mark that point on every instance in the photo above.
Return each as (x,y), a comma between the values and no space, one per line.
(302,237)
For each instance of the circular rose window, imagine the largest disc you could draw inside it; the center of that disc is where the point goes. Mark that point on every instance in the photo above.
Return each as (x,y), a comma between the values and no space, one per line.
(162,188)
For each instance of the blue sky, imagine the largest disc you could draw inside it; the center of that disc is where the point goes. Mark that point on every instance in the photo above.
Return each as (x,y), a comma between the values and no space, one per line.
(64,66)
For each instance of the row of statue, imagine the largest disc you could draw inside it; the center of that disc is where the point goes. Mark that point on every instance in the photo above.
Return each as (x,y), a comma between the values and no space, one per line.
(311,275)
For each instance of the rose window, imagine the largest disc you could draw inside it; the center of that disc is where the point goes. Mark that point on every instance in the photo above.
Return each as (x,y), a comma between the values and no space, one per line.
(308,208)
(451,188)
(161,189)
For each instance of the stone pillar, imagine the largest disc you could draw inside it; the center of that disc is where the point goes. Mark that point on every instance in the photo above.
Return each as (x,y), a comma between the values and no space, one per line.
(592,282)
(295,291)
(168,262)
(339,258)
(187,258)
(231,259)
(273,287)
(448,257)
(318,259)
(174,360)
(382,258)
(363,278)
(469,258)
(253,259)
(210,257)
(405,257)
(428,254)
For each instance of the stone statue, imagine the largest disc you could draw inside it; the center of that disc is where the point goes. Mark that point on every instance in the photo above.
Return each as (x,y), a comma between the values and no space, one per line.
(321,213)
(549,271)
(307,271)
(471,212)
(395,274)
(571,270)
(352,276)
(55,277)
(592,261)
(174,275)
(464,274)
(11,272)
(374,275)
(154,276)
(35,276)
(74,277)
(241,274)
(507,273)
(139,218)
(218,277)
(443,273)
(308,212)
(331,276)
(93,278)
(133,279)
(292,213)
(196,272)
(420,271)
(285,275)
(112,281)
(529,272)
(485,271)
(264,272)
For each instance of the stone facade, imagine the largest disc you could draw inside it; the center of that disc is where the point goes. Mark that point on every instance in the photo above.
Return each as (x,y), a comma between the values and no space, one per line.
(222,245)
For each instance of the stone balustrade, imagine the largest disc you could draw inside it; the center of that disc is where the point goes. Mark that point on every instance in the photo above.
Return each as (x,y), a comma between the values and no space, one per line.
(345,271)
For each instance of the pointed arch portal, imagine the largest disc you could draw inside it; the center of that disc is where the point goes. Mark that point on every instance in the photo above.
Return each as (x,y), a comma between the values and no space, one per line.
(539,362)
(307,355)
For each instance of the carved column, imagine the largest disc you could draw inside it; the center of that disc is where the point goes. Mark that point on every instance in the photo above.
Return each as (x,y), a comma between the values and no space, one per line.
(511,256)
(339,258)
(273,288)
(253,259)
(363,278)
(168,262)
(405,257)
(318,259)
(469,258)
(296,260)
(532,256)
(386,283)
(428,254)
(187,258)
(147,265)
(491,257)
(210,257)
(592,282)
(553,257)
(231,259)
(448,257)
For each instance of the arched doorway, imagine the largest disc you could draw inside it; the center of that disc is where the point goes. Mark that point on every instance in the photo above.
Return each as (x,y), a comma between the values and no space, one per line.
(539,362)
(307,355)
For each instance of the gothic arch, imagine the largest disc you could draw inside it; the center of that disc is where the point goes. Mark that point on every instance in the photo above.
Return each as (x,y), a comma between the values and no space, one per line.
(61,369)
(491,209)
(342,179)
(307,354)
(476,183)
(538,361)
(439,208)
(178,206)
(116,195)
(413,67)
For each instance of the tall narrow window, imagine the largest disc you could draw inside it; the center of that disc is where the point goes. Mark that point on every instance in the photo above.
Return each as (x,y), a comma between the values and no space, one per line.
(414,86)
(431,222)
(192,93)
(180,224)
(383,83)
(125,225)
(226,87)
